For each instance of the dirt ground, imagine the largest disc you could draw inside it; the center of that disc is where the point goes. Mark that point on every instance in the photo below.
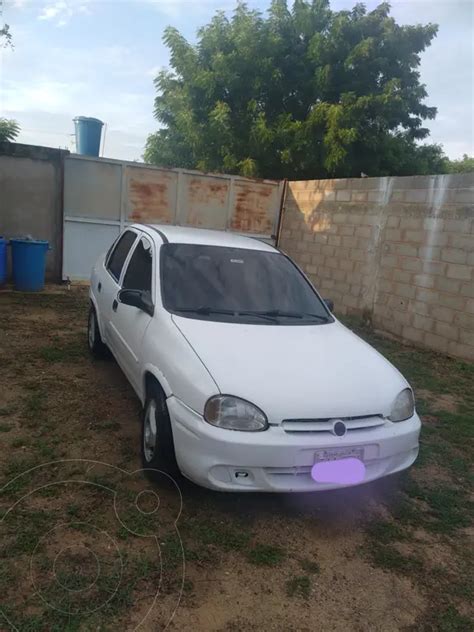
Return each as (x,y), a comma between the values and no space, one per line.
(87,543)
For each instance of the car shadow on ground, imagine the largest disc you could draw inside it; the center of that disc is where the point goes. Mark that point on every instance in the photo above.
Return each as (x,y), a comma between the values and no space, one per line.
(339,506)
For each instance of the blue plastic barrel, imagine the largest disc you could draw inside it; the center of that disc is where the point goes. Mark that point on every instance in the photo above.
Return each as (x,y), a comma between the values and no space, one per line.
(88,133)
(28,263)
(3,260)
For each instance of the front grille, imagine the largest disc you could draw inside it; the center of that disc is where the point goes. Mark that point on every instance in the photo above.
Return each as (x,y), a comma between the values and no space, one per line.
(326,424)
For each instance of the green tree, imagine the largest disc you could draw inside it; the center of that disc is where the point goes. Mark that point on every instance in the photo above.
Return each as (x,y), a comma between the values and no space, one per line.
(5,37)
(464,165)
(306,92)
(9,130)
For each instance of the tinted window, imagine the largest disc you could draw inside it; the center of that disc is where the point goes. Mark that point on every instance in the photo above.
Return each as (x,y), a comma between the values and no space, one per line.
(139,271)
(119,254)
(238,285)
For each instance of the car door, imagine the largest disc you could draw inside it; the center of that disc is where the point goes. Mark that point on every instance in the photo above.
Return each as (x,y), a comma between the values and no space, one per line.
(128,324)
(108,281)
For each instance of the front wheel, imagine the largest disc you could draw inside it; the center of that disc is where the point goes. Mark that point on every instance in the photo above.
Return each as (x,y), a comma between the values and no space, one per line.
(97,348)
(157,438)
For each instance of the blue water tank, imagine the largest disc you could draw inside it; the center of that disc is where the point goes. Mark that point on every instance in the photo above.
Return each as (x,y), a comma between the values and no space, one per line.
(28,263)
(88,133)
(3,260)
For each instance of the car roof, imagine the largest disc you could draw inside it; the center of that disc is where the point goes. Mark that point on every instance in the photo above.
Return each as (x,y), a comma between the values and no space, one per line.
(205,237)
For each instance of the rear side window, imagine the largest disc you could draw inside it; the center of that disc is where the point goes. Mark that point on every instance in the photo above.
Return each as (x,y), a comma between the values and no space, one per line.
(139,271)
(119,254)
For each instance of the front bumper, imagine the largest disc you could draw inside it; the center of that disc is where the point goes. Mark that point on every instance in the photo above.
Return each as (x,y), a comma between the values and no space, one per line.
(278,461)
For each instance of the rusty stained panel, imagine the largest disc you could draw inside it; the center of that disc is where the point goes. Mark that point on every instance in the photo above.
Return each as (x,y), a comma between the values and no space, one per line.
(255,207)
(151,195)
(203,201)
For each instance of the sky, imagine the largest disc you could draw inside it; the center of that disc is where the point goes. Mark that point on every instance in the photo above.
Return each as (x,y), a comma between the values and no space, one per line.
(99,57)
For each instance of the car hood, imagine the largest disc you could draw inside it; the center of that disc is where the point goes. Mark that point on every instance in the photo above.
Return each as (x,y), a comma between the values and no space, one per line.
(304,371)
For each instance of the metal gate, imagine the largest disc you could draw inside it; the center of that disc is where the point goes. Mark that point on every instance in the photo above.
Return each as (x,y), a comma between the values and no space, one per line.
(102,196)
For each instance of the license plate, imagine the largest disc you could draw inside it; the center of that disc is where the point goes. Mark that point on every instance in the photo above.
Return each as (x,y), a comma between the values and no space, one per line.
(334,454)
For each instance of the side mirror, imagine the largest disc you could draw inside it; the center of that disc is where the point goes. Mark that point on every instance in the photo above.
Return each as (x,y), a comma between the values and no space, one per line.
(329,304)
(137,298)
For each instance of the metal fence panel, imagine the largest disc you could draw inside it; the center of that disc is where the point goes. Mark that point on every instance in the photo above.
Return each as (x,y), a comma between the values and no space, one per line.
(82,246)
(102,196)
(255,208)
(203,200)
(151,195)
(92,189)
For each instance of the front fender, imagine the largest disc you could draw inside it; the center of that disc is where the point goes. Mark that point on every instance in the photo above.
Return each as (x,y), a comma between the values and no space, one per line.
(95,305)
(157,374)
(168,355)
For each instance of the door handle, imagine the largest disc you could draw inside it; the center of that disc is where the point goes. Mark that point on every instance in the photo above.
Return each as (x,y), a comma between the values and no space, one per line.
(115,305)
(99,287)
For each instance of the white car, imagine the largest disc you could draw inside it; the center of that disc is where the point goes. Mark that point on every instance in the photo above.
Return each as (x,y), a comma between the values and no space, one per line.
(248,381)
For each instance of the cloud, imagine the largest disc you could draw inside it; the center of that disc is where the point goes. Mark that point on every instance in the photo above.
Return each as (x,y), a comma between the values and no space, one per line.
(61,11)
(40,94)
(177,8)
(153,72)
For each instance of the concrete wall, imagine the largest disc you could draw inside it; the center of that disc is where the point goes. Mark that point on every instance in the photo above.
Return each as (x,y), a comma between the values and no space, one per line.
(31,197)
(398,251)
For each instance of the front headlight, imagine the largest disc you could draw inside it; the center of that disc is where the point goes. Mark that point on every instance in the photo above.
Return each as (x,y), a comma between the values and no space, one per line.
(403,407)
(233,413)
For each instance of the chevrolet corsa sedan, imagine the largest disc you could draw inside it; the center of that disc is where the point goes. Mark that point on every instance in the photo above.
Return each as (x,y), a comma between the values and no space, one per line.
(247,380)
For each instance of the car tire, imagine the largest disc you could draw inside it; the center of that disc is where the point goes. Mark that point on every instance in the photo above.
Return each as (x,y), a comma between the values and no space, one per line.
(157,445)
(97,348)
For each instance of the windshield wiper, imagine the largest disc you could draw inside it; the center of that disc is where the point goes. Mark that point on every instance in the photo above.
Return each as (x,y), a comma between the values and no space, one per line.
(271,315)
(258,315)
(284,314)
(205,310)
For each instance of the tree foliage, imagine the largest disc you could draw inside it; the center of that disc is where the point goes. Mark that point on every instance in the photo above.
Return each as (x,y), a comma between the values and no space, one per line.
(9,130)
(306,92)
(463,165)
(6,39)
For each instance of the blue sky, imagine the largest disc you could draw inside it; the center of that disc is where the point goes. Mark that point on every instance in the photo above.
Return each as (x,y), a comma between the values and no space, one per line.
(98,58)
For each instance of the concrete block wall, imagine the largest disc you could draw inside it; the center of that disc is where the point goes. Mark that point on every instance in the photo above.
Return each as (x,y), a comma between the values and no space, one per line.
(398,251)
(31,197)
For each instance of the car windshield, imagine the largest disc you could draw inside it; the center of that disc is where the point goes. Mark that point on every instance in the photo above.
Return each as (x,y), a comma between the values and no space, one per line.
(237,285)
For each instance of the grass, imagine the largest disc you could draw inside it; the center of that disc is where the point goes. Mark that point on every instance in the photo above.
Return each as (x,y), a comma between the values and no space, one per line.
(310,566)
(265,555)
(6,411)
(385,532)
(60,351)
(448,507)
(299,586)
(35,405)
(449,620)
(219,533)
(390,559)
(16,473)
(5,427)
(24,530)
(114,426)
(18,442)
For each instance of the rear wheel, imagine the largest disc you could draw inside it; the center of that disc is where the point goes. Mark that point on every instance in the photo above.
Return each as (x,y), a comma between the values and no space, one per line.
(157,437)
(97,348)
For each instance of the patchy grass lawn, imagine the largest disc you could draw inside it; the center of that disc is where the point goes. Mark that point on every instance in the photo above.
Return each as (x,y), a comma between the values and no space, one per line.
(88,545)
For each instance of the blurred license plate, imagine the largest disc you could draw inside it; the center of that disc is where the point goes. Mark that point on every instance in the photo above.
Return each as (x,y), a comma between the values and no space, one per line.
(334,454)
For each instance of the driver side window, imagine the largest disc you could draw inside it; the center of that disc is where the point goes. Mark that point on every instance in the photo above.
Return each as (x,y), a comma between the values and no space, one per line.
(139,272)
(117,257)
